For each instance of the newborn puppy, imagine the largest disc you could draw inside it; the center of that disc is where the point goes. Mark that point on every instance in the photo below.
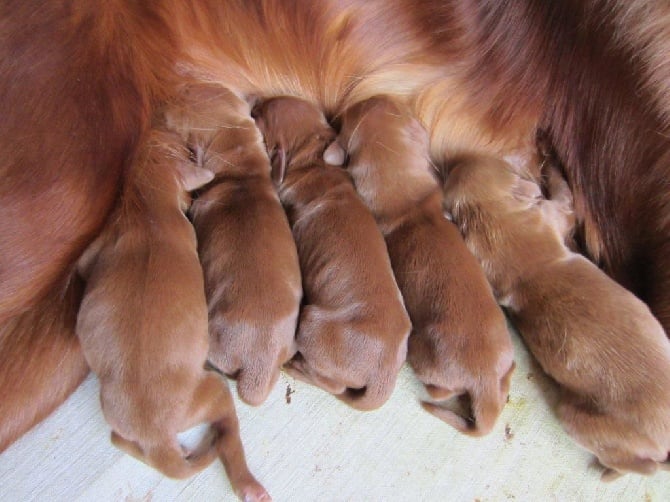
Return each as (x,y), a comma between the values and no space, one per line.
(601,344)
(143,324)
(460,344)
(353,329)
(252,274)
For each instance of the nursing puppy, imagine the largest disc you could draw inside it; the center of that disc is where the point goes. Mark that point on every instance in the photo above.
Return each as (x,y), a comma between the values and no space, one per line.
(482,75)
(460,344)
(143,324)
(252,275)
(353,329)
(598,341)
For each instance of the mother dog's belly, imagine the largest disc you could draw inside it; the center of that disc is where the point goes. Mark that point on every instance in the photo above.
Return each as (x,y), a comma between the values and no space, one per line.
(337,53)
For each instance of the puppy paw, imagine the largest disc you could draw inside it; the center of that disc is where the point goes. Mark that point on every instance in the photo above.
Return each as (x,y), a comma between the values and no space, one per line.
(254,492)
(622,440)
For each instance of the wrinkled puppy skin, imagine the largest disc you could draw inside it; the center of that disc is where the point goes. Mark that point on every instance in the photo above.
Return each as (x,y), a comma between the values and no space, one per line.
(353,329)
(143,323)
(250,262)
(460,345)
(609,355)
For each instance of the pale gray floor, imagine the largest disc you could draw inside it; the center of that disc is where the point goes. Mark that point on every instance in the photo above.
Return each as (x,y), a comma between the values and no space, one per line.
(315,448)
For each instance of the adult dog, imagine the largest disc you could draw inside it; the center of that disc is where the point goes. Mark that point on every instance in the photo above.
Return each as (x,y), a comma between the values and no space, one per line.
(79,81)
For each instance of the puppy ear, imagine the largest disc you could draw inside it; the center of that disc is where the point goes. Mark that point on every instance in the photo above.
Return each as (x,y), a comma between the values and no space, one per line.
(526,191)
(278,163)
(334,154)
(194,177)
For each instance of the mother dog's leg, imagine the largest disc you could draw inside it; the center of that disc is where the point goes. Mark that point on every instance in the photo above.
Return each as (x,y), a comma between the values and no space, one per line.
(42,362)
(73,95)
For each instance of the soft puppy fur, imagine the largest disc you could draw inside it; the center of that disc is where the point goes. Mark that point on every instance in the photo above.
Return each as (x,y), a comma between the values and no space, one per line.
(250,262)
(597,340)
(80,81)
(353,329)
(460,344)
(143,324)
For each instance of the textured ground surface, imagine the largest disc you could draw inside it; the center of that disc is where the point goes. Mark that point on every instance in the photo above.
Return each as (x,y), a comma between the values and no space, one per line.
(315,448)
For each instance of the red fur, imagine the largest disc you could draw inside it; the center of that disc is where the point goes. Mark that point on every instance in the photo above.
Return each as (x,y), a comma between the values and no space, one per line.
(78,81)
(577,322)
(460,344)
(143,327)
(353,328)
(244,240)
(42,362)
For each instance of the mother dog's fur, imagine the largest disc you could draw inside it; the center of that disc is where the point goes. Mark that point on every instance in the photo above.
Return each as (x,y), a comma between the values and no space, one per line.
(79,80)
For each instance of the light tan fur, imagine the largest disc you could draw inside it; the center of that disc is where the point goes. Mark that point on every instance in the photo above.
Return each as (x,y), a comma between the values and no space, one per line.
(597,340)
(459,344)
(143,324)
(252,275)
(353,329)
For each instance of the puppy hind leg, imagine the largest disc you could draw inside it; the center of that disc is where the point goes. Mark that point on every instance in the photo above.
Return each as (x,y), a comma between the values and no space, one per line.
(640,466)
(485,404)
(167,457)
(373,395)
(317,341)
(260,374)
(300,369)
(488,401)
(458,422)
(220,412)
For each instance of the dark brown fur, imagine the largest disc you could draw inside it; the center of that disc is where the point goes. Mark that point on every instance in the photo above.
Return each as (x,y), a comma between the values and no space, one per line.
(353,329)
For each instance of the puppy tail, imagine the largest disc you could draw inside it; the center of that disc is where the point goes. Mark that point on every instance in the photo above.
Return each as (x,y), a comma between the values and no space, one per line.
(41,362)
(371,396)
(487,402)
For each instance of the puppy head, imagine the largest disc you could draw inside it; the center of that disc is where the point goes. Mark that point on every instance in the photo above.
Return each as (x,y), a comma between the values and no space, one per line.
(167,148)
(371,129)
(296,132)
(487,183)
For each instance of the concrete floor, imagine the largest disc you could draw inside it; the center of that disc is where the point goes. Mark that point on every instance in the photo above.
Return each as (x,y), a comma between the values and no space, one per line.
(316,448)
